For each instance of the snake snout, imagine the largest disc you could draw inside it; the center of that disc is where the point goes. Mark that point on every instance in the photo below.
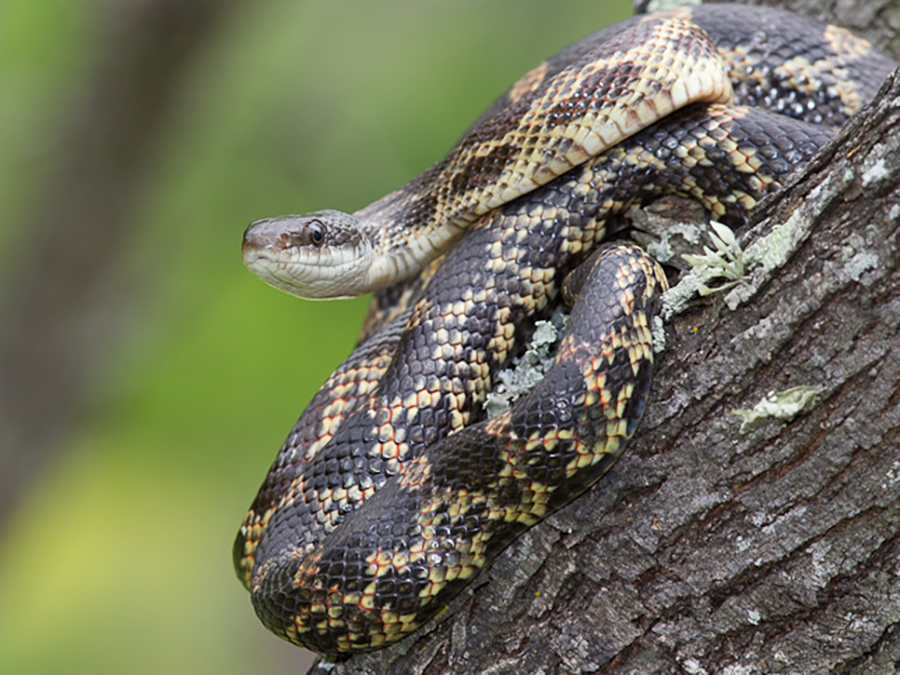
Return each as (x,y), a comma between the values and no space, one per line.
(271,234)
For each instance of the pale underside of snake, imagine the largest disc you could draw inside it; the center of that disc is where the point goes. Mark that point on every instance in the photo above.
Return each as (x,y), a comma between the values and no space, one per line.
(390,493)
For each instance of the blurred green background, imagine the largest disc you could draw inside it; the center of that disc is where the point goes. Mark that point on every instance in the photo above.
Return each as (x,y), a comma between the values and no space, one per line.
(115,553)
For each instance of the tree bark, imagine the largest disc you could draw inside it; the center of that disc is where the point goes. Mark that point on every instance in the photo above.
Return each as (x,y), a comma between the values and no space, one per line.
(716,545)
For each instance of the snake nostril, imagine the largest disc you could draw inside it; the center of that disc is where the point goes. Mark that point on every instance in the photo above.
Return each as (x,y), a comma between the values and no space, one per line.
(248,245)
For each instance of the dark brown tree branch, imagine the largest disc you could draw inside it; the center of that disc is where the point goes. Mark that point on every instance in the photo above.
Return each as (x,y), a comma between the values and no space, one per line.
(767,547)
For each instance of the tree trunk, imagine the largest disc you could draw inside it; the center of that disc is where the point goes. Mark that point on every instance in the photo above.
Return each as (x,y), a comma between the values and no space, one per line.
(720,543)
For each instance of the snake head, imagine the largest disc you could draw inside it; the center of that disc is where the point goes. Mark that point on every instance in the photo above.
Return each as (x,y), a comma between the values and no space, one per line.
(318,255)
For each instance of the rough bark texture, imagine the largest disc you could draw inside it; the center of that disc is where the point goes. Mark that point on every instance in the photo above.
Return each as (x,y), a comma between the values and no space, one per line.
(710,548)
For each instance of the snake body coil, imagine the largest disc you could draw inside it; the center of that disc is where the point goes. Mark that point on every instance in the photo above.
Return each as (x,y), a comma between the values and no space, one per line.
(396,429)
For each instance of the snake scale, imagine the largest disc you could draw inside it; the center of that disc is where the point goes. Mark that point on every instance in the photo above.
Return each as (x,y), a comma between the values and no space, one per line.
(391,492)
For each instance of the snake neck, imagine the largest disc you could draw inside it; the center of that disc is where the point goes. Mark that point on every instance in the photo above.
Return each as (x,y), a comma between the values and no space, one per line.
(404,233)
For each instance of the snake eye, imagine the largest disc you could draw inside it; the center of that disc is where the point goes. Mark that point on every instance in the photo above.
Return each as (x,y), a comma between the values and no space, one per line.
(316,232)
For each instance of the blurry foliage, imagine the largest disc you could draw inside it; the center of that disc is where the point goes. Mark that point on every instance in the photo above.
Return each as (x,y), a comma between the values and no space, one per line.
(119,559)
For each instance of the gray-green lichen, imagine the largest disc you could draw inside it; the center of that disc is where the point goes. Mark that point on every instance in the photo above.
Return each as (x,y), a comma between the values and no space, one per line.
(726,260)
(529,369)
(662,250)
(784,405)
(658,5)
(658,334)
(774,249)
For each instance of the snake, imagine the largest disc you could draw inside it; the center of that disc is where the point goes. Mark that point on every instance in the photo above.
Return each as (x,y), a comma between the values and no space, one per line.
(392,490)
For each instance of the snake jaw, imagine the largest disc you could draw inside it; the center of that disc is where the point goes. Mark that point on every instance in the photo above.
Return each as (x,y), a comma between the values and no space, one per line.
(318,255)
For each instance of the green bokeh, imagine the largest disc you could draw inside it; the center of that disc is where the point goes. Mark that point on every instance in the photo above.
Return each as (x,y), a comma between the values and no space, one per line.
(119,559)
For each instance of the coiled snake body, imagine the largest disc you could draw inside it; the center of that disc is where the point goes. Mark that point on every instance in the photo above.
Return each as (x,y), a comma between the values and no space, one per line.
(520,202)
